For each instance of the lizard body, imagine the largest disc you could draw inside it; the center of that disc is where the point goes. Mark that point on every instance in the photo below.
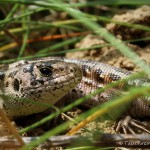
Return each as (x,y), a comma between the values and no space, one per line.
(50,79)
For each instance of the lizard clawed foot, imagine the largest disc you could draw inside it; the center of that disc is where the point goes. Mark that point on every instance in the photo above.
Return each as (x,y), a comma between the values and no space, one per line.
(127,124)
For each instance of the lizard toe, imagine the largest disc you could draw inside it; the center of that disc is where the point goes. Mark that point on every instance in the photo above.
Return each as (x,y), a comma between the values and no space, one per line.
(131,126)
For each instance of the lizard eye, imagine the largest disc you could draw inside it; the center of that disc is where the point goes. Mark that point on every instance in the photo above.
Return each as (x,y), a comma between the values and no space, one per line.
(45,71)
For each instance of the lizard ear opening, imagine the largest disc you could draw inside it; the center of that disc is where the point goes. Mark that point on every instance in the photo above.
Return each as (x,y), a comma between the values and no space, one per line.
(16,85)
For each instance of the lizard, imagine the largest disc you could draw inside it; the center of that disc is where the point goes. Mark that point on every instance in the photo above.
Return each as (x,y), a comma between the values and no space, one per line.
(50,79)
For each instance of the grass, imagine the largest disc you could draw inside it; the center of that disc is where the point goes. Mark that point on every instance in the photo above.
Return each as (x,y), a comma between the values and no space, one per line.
(24,26)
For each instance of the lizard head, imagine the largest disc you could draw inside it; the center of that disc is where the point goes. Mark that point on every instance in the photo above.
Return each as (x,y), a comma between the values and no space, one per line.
(42,82)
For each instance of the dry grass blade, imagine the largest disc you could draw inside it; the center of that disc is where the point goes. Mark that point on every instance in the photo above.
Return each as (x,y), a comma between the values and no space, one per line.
(11,127)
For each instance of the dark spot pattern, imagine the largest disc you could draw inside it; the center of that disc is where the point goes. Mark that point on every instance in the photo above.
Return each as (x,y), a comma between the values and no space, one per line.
(6,84)
(12,74)
(33,83)
(21,90)
(20,81)
(98,74)
(61,69)
(85,70)
(73,90)
(71,70)
(114,77)
(40,81)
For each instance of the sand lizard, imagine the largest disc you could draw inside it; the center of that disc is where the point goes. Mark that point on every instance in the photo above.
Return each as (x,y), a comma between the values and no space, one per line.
(50,79)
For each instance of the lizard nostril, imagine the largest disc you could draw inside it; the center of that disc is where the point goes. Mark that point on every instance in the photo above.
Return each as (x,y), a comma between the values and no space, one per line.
(16,85)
